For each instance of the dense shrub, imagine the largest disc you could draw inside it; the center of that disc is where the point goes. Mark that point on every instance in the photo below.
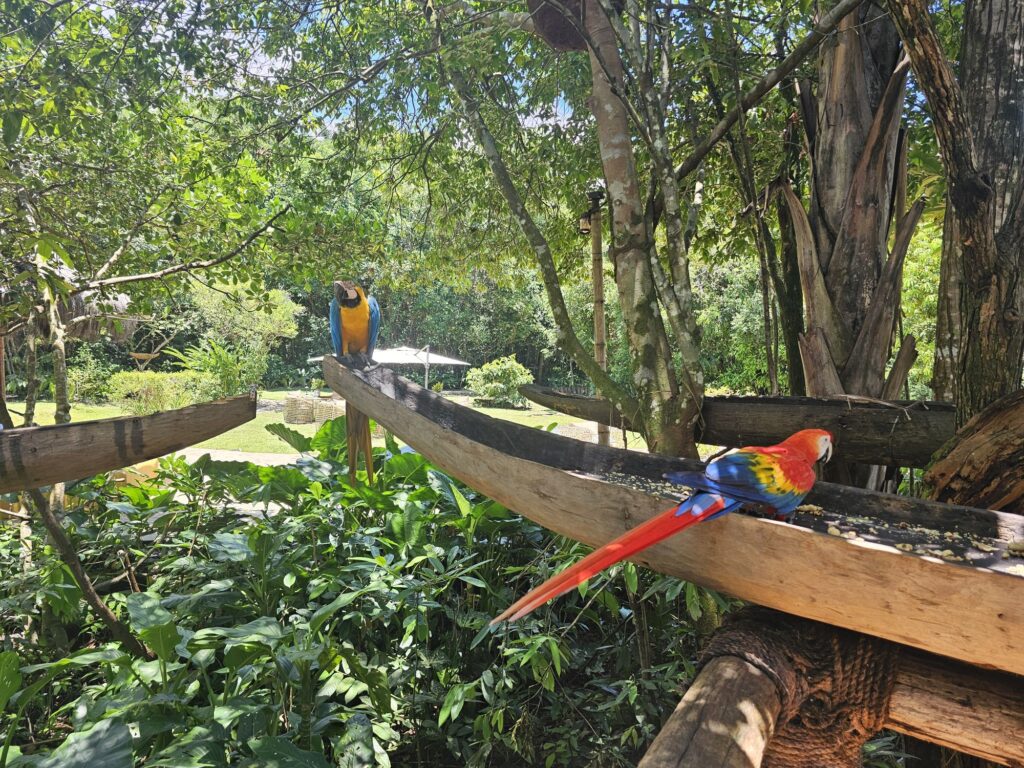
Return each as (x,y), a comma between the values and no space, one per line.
(496,384)
(89,377)
(349,629)
(142,392)
(233,371)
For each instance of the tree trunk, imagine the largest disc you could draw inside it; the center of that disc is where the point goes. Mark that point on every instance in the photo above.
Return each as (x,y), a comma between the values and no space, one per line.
(58,354)
(671,409)
(31,369)
(983,467)
(980,135)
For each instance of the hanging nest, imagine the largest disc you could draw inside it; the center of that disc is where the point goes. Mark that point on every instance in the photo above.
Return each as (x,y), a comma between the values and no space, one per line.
(90,318)
(559,22)
(553,20)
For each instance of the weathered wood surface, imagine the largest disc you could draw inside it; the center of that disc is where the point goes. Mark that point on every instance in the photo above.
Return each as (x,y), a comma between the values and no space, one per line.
(902,433)
(728,714)
(985,464)
(724,721)
(979,712)
(969,613)
(38,456)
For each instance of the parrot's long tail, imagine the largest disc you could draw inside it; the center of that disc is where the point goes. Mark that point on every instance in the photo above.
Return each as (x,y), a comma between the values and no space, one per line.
(698,507)
(357,426)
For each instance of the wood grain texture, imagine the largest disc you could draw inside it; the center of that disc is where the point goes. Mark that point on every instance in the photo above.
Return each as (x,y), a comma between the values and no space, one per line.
(901,433)
(724,721)
(961,707)
(967,613)
(985,463)
(38,456)
(729,713)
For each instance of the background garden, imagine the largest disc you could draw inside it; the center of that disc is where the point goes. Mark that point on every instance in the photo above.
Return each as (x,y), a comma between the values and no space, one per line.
(182,180)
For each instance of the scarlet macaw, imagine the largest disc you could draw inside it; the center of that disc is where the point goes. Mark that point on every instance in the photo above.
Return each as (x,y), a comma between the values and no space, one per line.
(777,476)
(355,325)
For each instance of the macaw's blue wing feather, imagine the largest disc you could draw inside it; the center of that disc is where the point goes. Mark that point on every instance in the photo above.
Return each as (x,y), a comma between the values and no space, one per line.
(335,318)
(743,476)
(374,324)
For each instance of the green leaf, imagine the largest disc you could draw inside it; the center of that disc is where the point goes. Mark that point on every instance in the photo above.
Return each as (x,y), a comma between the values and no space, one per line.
(107,744)
(145,611)
(78,660)
(693,601)
(278,752)
(446,487)
(10,676)
(452,704)
(327,611)
(12,126)
(355,747)
(295,439)
(154,624)
(629,573)
(330,441)
(263,631)
(230,547)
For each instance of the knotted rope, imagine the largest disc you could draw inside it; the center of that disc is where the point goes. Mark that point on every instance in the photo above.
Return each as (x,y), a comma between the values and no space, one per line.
(834,684)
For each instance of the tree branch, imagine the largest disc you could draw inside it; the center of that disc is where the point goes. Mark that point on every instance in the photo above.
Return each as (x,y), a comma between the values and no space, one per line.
(69,555)
(93,285)
(823,28)
(968,189)
(567,337)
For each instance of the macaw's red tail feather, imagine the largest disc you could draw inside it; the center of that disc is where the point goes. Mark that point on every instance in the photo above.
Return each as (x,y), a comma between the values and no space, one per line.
(693,510)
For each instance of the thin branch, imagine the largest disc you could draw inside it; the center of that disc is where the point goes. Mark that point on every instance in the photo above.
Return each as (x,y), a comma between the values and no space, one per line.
(187,267)
(567,337)
(69,555)
(821,30)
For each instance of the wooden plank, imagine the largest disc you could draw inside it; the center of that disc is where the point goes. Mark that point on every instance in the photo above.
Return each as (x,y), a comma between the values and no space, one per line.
(901,433)
(970,710)
(969,613)
(38,456)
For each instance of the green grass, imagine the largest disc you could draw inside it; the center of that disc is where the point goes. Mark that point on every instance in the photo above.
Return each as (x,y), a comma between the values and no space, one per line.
(252,437)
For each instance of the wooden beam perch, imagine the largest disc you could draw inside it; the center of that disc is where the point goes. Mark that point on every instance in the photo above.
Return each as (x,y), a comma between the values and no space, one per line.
(36,456)
(724,721)
(909,587)
(899,433)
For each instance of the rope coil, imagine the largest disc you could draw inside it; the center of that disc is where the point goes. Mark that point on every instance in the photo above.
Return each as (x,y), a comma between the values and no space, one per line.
(834,685)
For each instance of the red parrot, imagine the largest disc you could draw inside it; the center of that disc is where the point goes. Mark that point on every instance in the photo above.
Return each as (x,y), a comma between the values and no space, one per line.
(777,476)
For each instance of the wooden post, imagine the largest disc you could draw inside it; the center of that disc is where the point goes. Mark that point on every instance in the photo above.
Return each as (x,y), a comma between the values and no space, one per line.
(724,721)
(728,715)
(597,275)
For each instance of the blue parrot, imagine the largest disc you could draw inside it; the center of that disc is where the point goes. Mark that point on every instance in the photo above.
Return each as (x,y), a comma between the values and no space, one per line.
(355,326)
(355,322)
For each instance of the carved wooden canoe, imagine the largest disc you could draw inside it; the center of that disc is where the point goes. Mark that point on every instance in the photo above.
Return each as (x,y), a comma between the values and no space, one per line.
(35,456)
(888,573)
(902,433)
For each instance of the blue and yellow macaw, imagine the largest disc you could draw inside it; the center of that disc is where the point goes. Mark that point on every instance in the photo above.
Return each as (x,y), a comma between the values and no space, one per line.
(355,326)
(355,322)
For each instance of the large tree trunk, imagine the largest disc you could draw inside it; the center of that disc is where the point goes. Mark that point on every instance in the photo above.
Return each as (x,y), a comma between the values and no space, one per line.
(853,153)
(671,409)
(980,134)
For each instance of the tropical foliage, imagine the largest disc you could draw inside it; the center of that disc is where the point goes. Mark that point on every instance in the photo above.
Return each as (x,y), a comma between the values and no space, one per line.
(296,618)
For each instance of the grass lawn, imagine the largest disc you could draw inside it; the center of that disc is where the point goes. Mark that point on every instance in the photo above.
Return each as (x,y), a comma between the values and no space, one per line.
(252,436)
